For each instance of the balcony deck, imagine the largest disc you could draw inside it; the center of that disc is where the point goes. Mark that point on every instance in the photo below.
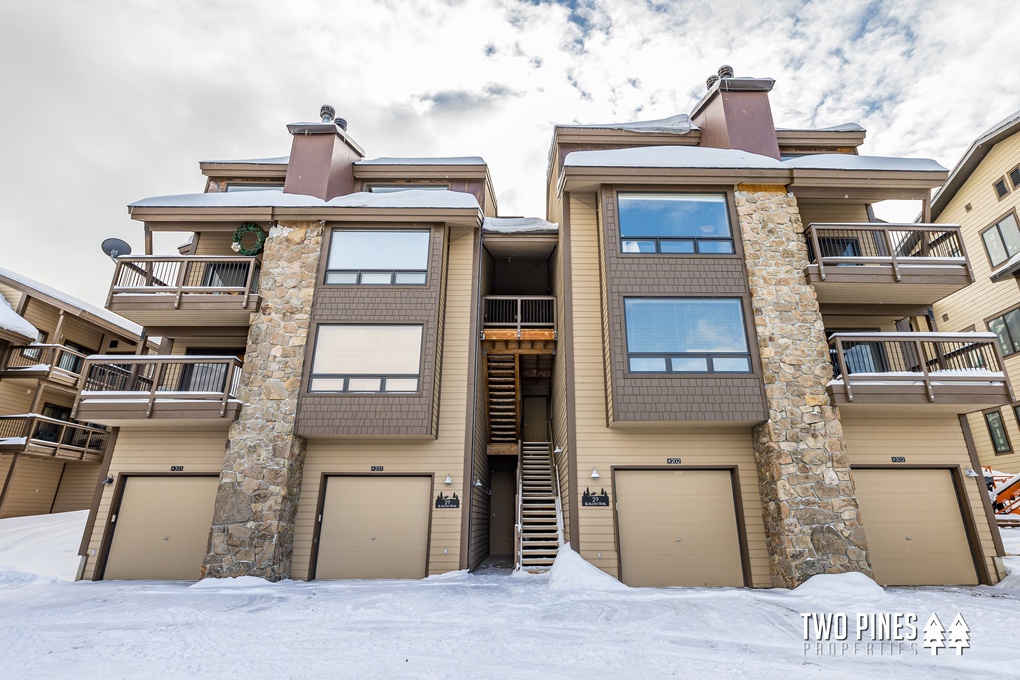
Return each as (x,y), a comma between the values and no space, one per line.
(931,373)
(130,389)
(519,324)
(39,361)
(911,264)
(36,435)
(185,290)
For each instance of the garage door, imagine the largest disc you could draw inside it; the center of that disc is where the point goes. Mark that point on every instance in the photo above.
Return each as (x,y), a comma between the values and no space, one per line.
(678,528)
(914,526)
(374,527)
(162,528)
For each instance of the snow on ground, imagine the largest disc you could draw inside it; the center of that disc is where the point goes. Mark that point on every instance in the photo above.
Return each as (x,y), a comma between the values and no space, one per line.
(461,625)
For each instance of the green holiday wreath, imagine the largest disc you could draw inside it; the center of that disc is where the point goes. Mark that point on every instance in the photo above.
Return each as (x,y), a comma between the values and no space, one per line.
(249,228)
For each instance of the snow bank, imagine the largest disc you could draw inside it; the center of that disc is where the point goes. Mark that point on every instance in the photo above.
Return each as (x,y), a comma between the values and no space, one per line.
(12,322)
(838,586)
(1012,581)
(230,583)
(570,572)
(41,546)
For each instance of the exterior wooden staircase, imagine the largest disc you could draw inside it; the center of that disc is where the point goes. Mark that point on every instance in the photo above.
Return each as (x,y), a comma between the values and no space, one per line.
(504,398)
(539,515)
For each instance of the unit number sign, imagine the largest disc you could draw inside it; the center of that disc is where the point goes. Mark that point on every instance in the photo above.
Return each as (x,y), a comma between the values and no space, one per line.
(176,468)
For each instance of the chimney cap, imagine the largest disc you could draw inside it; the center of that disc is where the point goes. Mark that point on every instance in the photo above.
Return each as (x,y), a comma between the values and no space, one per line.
(712,80)
(725,71)
(327,112)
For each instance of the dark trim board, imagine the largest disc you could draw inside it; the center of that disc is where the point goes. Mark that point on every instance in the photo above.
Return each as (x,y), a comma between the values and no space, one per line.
(986,503)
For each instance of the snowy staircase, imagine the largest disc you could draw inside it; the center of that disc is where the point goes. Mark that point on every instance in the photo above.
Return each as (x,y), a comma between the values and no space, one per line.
(503,398)
(538,508)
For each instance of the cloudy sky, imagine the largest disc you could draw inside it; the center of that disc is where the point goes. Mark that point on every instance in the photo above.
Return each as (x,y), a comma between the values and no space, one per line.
(105,102)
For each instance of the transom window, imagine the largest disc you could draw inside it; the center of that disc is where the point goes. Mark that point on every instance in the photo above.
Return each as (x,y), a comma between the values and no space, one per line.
(1007,327)
(1002,240)
(686,335)
(674,223)
(378,257)
(366,358)
(997,432)
(1000,188)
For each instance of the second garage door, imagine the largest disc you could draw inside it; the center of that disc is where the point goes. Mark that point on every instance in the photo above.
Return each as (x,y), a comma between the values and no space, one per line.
(914,527)
(374,527)
(678,528)
(162,528)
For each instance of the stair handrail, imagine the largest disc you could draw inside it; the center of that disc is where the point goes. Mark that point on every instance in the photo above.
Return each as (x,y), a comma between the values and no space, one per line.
(518,526)
(556,490)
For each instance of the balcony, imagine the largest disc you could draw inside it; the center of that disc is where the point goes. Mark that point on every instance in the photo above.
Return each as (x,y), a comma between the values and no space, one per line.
(36,435)
(519,324)
(926,372)
(117,390)
(186,290)
(908,264)
(56,363)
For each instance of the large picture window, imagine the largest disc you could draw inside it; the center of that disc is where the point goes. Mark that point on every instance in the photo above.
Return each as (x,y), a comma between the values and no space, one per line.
(686,335)
(674,223)
(369,358)
(1007,327)
(1002,240)
(378,257)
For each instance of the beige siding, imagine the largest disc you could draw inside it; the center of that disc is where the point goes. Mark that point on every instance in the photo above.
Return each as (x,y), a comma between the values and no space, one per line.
(215,243)
(32,488)
(558,407)
(922,441)
(829,211)
(77,485)
(601,448)
(1004,462)
(440,457)
(480,501)
(12,295)
(42,315)
(5,467)
(151,450)
(15,397)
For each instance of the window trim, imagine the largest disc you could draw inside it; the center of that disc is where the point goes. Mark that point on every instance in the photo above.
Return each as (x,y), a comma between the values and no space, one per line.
(1005,184)
(1009,174)
(1005,432)
(731,219)
(393,272)
(994,225)
(383,377)
(1002,314)
(709,356)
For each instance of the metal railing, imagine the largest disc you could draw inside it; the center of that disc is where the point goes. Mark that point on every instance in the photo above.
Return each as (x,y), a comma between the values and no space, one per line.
(931,358)
(155,378)
(186,274)
(519,524)
(556,490)
(45,357)
(20,432)
(510,311)
(894,245)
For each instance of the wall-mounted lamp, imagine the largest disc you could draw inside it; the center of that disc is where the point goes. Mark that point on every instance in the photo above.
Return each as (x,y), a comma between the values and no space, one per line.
(448,481)
(478,483)
(108,480)
(595,474)
(558,449)
(970,472)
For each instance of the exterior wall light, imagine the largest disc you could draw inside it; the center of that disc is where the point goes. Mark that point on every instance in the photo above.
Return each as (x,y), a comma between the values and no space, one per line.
(595,474)
(448,481)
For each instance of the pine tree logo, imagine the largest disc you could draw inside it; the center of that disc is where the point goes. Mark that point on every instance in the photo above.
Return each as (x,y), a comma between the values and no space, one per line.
(934,634)
(959,635)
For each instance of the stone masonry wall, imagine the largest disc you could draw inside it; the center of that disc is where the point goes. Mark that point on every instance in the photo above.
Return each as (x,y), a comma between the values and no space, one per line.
(810,508)
(253,519)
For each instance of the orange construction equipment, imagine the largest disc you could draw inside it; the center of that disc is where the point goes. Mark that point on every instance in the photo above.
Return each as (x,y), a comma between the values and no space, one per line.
(1005,492)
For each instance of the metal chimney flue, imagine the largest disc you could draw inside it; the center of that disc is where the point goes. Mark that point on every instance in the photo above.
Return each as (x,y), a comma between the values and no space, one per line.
(725,71)
(712,80)
(341,123)
(327,112)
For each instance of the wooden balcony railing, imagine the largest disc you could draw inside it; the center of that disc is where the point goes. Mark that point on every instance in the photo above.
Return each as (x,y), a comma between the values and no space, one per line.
(931,359)
(186,275)
(890,245)
(508,311)
(151,379)
(38,435)
(43,361)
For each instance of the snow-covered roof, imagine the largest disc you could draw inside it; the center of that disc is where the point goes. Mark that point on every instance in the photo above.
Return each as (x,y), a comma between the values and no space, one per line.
(275,160)
(442,160)
(680,124)
(412,198)
(14,323)
(1008,268)
(519,225)
(671,157)
(71,301)
(847,161)
(842,127)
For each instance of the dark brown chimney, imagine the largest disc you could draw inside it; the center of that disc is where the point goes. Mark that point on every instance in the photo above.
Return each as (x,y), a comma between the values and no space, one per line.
(735,114)
(322,157)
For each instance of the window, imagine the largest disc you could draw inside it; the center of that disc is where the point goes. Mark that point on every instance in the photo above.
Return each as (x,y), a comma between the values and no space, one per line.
(1001,189)
(390,188)
(72,363)
(686,335)
(1007,327)
(378,257)
(351,358)
(1002,240)
(675,223)
(265,186)
(997,431)
(1014,177)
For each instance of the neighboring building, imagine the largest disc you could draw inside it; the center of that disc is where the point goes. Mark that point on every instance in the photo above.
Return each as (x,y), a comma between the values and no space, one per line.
(50,462)
(388,365)
(982,195)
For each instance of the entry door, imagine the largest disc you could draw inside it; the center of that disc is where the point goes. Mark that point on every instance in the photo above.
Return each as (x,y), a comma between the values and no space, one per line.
(914,527)
(162,528)
(374,527)
(536,419)
(503,483)
(678,528)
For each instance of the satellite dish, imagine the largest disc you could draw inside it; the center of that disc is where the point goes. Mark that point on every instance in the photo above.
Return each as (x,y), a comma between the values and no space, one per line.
(115,247)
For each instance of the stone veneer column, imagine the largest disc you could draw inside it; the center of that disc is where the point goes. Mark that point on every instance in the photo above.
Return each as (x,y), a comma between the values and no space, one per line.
(808,501)
(253,519)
